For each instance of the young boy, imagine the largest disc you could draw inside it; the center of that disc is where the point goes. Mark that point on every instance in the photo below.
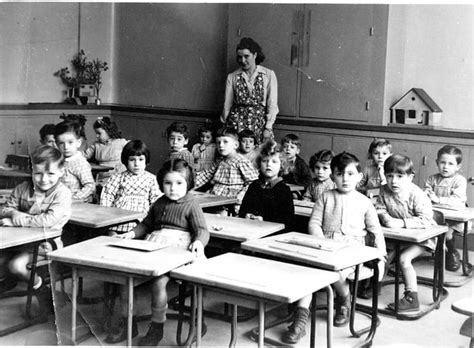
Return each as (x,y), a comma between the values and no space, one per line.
(178,138)
(298,171)
(47,135)
(77,171)
(320,164)
(449,187)
(345,215)
(248,146)
(204,152)
(42,202)
(402,204)
(231,176)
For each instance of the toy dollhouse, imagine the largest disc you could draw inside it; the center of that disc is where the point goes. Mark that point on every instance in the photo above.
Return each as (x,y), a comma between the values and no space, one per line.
(416,108)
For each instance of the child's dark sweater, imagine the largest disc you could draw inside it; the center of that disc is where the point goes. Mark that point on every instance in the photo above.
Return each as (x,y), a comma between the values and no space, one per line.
(300,175)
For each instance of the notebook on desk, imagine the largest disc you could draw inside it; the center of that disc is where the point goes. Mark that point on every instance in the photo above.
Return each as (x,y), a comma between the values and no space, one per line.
(138,244)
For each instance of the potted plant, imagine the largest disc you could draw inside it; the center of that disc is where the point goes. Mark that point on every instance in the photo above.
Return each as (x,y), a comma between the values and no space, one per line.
(86,79)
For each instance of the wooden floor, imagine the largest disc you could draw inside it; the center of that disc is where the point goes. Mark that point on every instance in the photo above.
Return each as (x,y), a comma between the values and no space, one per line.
(440,328)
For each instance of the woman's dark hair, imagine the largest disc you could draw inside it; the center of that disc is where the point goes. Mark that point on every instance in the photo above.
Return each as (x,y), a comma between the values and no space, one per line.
(109,126)
(176,165)
(68,127)
(135,148)
(253,47)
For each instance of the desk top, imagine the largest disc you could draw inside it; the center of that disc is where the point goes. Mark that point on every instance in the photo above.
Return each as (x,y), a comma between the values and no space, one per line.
(100,168)
(295,188)
(313,251)
(16,236)
(9,173)
(239,229)
(303,208)
(97,216)
(206,200)
(462,214)
(267,279)
(414,235)
(100,253)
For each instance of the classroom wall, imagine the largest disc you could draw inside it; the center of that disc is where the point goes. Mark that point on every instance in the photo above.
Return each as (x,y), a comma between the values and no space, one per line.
(430,47)
(171,55)
(38,39)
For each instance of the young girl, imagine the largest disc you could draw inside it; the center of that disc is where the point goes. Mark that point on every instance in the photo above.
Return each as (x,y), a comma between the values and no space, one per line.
(345,215)
(269,198)
(320,164)
(402,204)
(373,175)
(204,152)
(249,146)
(108,147)
(183,225)
(134,189)
(81,121)
(77,171)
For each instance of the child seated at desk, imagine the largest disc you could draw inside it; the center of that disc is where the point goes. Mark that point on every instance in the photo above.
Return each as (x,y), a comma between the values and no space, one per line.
(373,175)
(231,176)
(134,189)
(183,225)
(178,138)
(47,135)
(320,164)
(248,146)
(269,198)
(77,171)
(298,172)
(107,149)
(42,202)
(448,187)
(204,152)
(345,215)
(402,204)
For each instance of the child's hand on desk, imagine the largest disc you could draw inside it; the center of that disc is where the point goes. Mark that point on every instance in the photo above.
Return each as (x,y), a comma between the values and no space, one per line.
(253,217)
(197,248)
(7,222)
(127,235)
(391,222)
(433,197)
(19,218)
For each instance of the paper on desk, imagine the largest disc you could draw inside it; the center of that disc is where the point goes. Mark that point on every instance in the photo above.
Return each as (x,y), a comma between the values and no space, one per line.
(320,244)
(138,244)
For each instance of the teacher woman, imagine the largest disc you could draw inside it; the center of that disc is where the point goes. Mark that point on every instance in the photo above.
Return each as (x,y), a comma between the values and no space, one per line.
(251,93)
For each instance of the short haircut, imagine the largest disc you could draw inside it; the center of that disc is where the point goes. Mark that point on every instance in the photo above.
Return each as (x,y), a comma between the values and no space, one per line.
(342,160)
(80,119)
(135,148)
(176,165)
(109,126)
(269,149)
(399,164)
(321,156)
(177,127)
(247,133)
(73,127)
(228,132)
(291,138)
(47,129)
(207,127)
(451,150)
(47,155)
(379,142)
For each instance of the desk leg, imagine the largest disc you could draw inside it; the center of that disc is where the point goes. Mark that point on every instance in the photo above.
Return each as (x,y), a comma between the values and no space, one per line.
(397,276)
(312,342)
(438,276)
(130,311)
(330,315)
(74,305)
(466,266)
(199,316)
(261,324)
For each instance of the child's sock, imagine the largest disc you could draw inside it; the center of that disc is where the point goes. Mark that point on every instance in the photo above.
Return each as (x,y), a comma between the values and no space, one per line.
(38,283)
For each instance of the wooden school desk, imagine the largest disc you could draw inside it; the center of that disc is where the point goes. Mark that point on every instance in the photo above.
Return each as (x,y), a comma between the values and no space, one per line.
(98,259)
(207,200)
(326,254)
(18,236)
(10,178)
(251,281)
(97,216)
(303,208)
(404,235)
(463,215)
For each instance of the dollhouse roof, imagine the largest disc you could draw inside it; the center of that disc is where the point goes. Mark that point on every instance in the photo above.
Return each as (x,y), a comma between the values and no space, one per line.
(423,96)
